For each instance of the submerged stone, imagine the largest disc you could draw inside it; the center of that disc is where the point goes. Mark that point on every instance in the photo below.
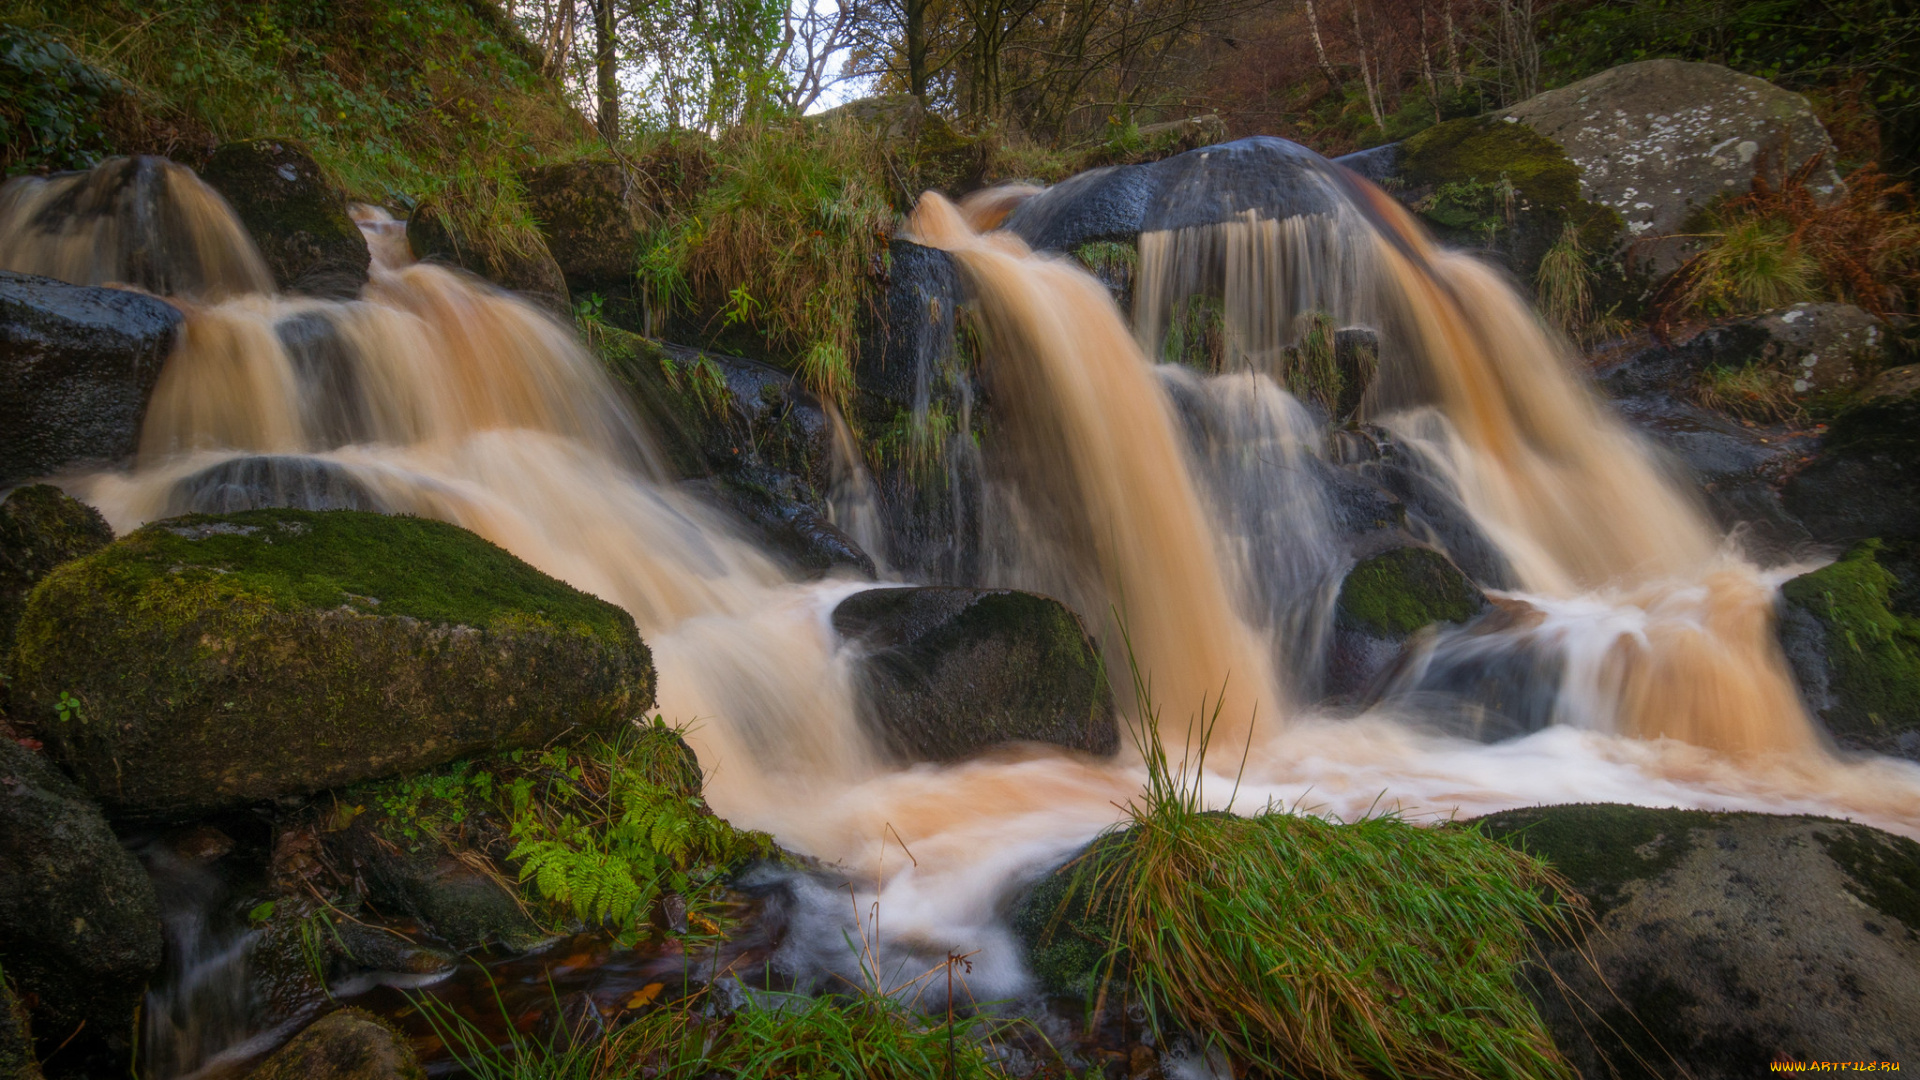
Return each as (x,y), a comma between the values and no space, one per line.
(296,217)
(79,921)
(77,365)
(1383,602)
(948,672)
(206,662)
(350,1044)
(1726,941)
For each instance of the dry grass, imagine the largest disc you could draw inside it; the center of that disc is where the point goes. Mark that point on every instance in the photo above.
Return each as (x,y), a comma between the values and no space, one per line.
(1761,392)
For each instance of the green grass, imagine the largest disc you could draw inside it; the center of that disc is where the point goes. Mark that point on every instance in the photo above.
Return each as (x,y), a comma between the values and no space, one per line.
(1751,264)
(777,1035)
(1758,391)
(1307,946)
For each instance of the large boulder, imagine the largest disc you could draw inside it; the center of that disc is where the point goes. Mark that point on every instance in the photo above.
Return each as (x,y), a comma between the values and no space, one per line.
(79,922)
(948,672)
(591,213)
(41,527)
(1852,633)
(205,662)
(522,265)
(350,1044)
(1723,942)
(1658,140)
(1824,348)
(297,218)
(77,365)
(1865,481)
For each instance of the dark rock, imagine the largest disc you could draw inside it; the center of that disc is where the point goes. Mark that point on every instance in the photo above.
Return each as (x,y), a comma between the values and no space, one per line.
(17,1058)
(77,365)
(902,363)
(1066,923)
(1430,509)
(420,877)
(1852,633)
(296,217)
(948,672)
(219,660)
(1379,164)
(1865,482)
(256,483)
(1724,942)
(1383,602)
(591,214)
(1658,140)
(79,922)
(351,1044)
(1826,348)
(40,528)
(531,272)
(1356,354)
(785,523)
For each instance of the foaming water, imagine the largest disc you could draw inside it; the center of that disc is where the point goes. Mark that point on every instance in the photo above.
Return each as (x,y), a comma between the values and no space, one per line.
(1198,508)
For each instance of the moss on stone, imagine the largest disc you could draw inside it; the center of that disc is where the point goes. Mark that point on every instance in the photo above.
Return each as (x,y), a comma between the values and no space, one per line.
(1601,847)
(1396,593)
(295,213)
(1872,651)
(40,528)
(351,1044)
(220,659)
(1883,870)
(1068,927)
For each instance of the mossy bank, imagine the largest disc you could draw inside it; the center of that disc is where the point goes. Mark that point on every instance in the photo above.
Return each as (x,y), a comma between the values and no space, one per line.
(209,661)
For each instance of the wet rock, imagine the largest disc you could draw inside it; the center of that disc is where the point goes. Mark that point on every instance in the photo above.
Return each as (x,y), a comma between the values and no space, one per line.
(77,365)
(296,217)
(903,361)
(531,271)
(948,672)
(1383,602)
(351,1044)
(213,661)
(1656,141)
(1726,941)
(79,922)
(418,876)
(256,483)
(41,527)
(1865,481)
(17,1058)
(780,517)
(591,214)
(1826,348)
(1066,925)
(1851,630)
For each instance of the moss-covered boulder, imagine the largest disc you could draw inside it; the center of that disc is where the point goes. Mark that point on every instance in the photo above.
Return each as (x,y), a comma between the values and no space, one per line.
(205,662)
(1852,632)
(1066,923)
(1725,941)
(40,528)
(297,218)
(350,1044)
(1490,183)
(948,672)
(1383,602)
(520,264)
(591,213)
(77,365)
(17,1058)
(79,922)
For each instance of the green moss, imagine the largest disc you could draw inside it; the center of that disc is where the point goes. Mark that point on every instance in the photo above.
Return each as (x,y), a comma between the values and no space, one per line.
(294,560)
(41,527)
(1883,870)
(1068,923)
(1601,847)
(1401,591)
(1872,652)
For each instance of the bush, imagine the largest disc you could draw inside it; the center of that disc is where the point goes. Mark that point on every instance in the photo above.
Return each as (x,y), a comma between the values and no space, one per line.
(50,103)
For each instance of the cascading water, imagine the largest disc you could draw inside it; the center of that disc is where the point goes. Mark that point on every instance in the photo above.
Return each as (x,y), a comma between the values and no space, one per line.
(1198,512)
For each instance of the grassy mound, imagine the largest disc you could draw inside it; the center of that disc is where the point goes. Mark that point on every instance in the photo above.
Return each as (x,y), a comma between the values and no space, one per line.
(1872,649)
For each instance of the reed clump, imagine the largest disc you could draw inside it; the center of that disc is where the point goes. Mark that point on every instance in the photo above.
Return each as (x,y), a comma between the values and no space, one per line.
(1308,946)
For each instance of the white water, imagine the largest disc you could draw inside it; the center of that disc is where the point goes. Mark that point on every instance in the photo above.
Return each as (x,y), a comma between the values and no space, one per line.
(470,406)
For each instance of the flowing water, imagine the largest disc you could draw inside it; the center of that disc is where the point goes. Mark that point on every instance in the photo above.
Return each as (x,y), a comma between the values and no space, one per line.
(1191,516)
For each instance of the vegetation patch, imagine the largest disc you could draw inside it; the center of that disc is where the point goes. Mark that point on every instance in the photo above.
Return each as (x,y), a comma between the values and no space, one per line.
(1758,391)
(1873,652)
(1603,847)
(51,104)
(1883,870)
(596,833)
(1309,946)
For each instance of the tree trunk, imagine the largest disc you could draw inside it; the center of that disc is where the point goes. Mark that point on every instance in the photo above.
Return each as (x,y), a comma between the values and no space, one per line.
(1453,49)
(1320,47)
(606,69)
(1366,72)
(917,48)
